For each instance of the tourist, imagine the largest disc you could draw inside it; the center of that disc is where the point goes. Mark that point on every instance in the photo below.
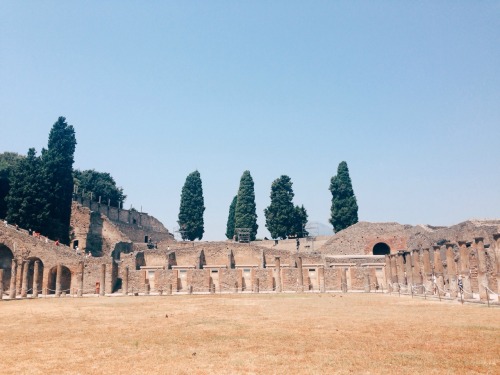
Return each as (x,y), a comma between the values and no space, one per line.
(460,284)
(30,232)
(57,242)
(5,222)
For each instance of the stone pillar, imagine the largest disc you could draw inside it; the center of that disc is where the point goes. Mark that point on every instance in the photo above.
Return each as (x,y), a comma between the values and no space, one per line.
(438,268)
(387,269)
(367,279)
(482,276)
(394,272)
(496,237)
(321,276)
(36,278)
(301,274)
(147,288)
(427,272)
(417,272)
(343,279)
(452,271)
(58,280)
(1,284)
(24,288)
(277,269)
(169,290)
(81,271)
(257,286)
(13,269)
(19,277)
(464,268)
(401,270)
(125,282)
(239,285)
(102,289)
(229,263)
(408,271)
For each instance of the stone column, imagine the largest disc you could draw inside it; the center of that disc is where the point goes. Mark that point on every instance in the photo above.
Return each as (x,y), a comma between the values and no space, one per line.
(301,274)
(482,276)
(401,270)
(24,288)
(229,263)
(125,282)
(464,268)
(438,268)
(13,269)
(257,285)
(408,271)
(387,269)
(102,290)
(496,237)
(147,288)
(367,279)
(426,258)
(277,269)
(58,280)
(452,272)
(36,278)
(321,276)
(81,271)
(1,284)
(417,273)
(19,277)
(343,279)
(394,272)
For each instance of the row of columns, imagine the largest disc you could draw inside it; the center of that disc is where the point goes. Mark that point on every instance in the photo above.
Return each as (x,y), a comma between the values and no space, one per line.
(403,269)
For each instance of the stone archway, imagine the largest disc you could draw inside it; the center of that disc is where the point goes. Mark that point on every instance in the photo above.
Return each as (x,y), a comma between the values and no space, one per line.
(6,257)
(65,280)
(381,248)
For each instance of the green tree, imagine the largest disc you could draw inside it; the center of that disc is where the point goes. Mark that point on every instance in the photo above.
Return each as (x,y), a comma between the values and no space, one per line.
(299,222)
(281,212)
(8,162)
(245,214)
(230,219)
(344,211)
(58,172)
(27,200)
(192,208)
(101,184)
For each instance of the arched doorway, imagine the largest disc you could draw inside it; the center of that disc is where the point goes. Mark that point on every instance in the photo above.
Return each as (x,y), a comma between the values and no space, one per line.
(381,248)
(6,257)
(31,274)
(65,280)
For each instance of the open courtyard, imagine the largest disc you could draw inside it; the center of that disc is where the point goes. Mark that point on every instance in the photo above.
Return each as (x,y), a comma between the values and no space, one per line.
(248,333)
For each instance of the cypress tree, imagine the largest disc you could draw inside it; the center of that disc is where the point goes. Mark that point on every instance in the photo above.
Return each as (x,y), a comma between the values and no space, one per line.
(245,214)
(58,171)
(230,219)
(300,221)
(344,211)
(281,212)
(192,208)
(27,200)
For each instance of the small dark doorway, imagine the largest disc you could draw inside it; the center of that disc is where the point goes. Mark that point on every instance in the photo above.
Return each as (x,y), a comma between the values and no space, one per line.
(381,249)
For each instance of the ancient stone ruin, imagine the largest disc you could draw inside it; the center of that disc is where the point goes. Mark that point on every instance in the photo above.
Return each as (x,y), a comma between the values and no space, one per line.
(115,251)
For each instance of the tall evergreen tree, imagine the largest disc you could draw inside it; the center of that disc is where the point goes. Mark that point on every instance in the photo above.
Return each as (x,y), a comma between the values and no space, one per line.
(8,163)
(245,213)
(281,212)
(230,219)
(58,171)
(101,184)
(192,208)
(27,200)
(299,222)
(344,211)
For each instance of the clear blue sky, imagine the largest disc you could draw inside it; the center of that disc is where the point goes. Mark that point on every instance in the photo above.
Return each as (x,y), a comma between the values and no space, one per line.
(408,93)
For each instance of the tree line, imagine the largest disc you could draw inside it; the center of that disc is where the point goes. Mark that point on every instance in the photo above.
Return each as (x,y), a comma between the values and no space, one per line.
(36,190)
(283,218)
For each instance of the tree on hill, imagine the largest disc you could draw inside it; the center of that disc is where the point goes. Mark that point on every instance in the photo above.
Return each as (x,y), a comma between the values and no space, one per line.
(281,212)
(230,219)
(8,163)
(192,208)
(101,184)
(27,201)
(58,173)
(245,213)
(344,210)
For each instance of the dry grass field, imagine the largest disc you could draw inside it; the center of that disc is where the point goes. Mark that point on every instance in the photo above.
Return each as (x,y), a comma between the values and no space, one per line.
(249,334)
